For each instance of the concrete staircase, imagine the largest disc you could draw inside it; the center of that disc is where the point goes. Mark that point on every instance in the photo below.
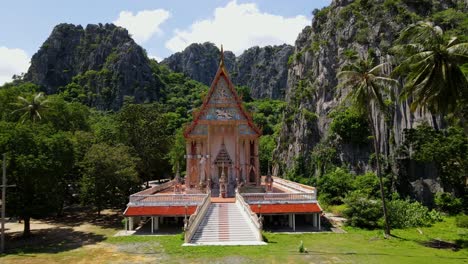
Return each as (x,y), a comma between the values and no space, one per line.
(225,224)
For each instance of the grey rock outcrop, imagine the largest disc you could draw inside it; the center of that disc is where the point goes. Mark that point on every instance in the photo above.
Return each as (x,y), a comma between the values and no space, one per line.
(71,50)
(263,70)
(320,51)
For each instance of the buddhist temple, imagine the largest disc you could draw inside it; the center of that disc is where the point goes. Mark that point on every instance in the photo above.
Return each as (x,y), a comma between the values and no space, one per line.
(223,199)
(222,141)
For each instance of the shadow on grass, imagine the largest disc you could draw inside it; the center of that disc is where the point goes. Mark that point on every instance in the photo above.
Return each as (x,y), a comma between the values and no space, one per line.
(439,244)
(53,240)
(77,216)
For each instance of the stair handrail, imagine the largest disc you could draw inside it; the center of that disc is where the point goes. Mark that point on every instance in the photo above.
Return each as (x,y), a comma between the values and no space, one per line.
(195,219)
(254,219)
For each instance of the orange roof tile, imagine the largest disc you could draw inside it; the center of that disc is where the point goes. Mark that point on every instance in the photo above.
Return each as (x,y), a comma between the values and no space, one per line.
(159,210)
(286,208)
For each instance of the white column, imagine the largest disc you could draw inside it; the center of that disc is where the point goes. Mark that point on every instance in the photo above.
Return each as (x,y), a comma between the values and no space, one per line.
(318,216)
(130,223)
(152,225)
(290,218)
(314,220)
(294,221)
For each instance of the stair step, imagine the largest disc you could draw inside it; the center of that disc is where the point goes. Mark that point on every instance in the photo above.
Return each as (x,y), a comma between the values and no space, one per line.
(224,223)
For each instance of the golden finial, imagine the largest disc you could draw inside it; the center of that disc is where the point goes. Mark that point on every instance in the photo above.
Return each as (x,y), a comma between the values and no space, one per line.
(221,63)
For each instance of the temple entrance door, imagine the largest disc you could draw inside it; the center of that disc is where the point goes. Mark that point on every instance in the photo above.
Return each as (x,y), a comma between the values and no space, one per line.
(223,163)
(220,171)
(252,176)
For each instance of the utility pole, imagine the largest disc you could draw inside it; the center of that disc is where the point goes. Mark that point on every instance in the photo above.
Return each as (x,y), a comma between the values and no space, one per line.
(4,186)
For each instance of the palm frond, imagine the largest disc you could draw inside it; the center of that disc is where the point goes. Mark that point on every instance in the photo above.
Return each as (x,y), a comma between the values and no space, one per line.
(23,100)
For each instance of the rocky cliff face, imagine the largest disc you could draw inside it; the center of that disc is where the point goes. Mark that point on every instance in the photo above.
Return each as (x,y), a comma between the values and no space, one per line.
(263,70)
(343,29)
(72,50)
(199,61)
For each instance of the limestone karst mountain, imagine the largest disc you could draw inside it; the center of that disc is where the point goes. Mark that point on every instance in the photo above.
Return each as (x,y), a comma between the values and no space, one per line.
(103,55)
(339,32)
(263,70)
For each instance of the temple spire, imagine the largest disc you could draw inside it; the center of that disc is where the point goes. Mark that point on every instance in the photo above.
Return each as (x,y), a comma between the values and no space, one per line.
(221,63)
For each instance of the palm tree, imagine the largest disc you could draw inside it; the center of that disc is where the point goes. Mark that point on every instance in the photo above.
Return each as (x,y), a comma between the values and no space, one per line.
(32,108)
(367,86)
(431,67)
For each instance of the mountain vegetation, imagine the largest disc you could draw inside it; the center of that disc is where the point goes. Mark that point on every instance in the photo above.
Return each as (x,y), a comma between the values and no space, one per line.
(420,44)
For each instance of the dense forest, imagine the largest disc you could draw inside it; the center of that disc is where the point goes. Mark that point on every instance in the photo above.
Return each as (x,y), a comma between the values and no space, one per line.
(87,127)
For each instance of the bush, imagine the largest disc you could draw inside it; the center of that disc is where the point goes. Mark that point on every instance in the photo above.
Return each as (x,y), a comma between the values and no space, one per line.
(333,186)
(302,249)
(362,211)
(404,213)
(351,126)
(448,203)
(368,184)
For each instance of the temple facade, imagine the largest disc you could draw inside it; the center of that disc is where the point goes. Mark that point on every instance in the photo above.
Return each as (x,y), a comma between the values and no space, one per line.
(222,142)
(223,199)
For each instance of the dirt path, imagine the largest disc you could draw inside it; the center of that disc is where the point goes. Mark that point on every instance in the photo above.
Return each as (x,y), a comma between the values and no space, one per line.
(77,237)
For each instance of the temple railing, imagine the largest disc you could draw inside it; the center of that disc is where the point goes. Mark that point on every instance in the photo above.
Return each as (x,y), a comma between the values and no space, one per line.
(157,188)
(166,199)
(195,219)
(259,198)
(293,186)
(251,215)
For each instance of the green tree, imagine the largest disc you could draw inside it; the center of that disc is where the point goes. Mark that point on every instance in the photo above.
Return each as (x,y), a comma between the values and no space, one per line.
(145,128)
(447,149)
(177,151)
(367,86)
(38,161)
(334,186)
(431,67)
(109,176)
(32,107)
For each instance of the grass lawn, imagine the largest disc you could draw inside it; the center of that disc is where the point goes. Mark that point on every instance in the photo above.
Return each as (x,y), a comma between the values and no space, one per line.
(356,246)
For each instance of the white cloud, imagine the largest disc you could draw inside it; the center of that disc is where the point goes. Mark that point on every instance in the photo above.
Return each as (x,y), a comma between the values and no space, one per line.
(143,24)
(12,61)
(238,27)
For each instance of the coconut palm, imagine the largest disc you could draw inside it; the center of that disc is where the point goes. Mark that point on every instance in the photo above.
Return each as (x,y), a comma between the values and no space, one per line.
(431,66)
(367,88)
(32,108)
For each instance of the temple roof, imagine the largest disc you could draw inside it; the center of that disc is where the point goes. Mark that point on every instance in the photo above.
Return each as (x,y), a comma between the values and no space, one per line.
(216,89)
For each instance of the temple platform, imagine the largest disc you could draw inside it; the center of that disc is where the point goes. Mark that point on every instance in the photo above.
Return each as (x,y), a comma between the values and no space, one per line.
(280,206)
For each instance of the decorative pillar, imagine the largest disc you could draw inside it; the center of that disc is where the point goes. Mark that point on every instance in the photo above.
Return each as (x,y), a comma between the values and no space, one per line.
(290,220)
(257,162)
(130,223)
(156,223)
(152,225)
(188,151)
(319,227)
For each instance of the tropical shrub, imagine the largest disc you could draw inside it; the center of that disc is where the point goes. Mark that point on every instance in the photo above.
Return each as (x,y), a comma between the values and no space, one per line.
(362,211)
(334,186)
(448,203)
(404,213)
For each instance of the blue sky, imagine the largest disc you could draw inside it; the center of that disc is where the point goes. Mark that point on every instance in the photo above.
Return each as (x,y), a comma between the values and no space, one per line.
(161,27)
